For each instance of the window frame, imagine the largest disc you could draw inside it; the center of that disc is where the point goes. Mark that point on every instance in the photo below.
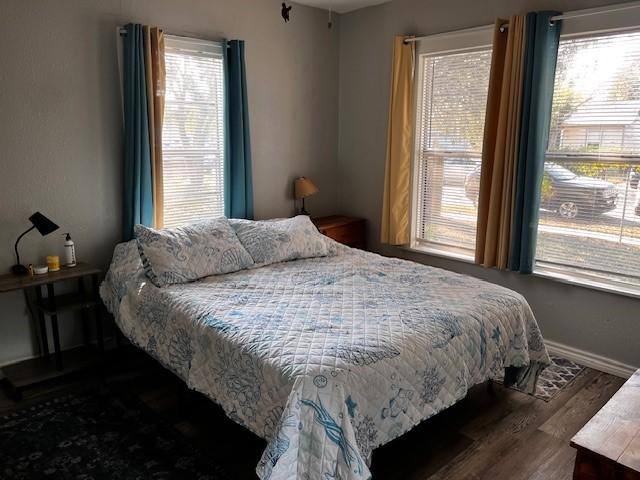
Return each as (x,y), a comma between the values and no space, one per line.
(204,48)
(584,26)
(578,28)
(478,38)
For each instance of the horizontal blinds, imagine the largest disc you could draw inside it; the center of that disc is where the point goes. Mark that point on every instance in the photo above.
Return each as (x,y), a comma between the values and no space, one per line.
(193,131)
(590,212)
(451,108)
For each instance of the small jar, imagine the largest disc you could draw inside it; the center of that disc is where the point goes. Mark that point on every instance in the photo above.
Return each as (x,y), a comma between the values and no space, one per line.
(53,262)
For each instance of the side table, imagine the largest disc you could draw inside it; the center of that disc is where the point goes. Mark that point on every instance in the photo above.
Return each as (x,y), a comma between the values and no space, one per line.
(51,306)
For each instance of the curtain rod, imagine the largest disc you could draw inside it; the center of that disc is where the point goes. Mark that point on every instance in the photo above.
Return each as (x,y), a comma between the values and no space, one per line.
(565,16)
(596,11)
(122,31)
(503,27)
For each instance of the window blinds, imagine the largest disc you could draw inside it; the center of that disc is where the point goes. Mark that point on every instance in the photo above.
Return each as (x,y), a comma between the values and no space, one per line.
(590,216)
(193,131)
(451,111)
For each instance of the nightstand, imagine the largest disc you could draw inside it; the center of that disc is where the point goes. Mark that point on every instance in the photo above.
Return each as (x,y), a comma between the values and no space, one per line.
(24,374)
(349,231)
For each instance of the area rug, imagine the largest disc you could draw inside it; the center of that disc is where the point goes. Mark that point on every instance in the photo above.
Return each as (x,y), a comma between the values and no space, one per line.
(97,435)
(554,378)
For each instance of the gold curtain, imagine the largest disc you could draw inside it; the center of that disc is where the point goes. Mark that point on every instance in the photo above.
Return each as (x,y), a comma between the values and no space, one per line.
(500,145)
(397,176)
(155,74)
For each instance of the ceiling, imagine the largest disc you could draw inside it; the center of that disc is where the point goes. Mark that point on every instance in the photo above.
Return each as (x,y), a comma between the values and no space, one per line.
(341,6)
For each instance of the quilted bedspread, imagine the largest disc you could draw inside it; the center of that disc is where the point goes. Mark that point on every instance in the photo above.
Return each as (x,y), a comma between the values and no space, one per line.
(328,358)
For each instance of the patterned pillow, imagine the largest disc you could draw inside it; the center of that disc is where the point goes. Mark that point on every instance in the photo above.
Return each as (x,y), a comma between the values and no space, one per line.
(272,241)
(184,254)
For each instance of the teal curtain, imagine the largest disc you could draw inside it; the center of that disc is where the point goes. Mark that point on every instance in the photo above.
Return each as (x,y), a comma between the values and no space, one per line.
(138,186)
(541,52)
(238,185)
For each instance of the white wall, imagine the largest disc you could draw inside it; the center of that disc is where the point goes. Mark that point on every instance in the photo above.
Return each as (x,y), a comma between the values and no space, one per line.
(597,322)
(61,127)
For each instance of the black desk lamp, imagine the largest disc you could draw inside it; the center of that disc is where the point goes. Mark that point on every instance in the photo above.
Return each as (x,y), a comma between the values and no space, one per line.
(44,226)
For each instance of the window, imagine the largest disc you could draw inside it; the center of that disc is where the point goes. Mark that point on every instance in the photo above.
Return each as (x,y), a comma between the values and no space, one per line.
(590,217)
(451,103)
(193,131)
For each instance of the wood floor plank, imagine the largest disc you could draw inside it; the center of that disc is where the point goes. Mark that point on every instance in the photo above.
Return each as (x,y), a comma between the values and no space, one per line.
(423,450)
(570,418)
(537,455)
(482,409)
(497,438)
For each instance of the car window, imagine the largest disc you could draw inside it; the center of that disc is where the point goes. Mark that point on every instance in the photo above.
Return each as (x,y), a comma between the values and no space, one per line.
(559,173)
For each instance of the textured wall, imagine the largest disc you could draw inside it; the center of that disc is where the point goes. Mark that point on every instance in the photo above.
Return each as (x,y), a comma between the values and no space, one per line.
(61,126)
(598,322)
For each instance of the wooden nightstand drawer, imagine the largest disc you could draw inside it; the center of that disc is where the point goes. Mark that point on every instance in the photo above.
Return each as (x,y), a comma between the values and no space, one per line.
(346,230)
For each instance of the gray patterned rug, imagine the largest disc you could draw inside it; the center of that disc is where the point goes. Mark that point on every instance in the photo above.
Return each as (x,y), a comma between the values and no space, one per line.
(554,378)
(98,435)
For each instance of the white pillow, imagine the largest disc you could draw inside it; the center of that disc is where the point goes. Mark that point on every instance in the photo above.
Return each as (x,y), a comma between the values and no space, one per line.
(184,254)
(272,241)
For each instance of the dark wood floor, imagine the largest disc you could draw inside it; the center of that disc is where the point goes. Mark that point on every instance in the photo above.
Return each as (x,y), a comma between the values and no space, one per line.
(494,433)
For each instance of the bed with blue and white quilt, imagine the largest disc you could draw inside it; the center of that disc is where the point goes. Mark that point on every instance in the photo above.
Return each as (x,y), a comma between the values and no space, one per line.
(327,357)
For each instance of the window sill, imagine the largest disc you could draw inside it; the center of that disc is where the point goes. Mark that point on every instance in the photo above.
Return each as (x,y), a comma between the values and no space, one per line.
(540,272)
(441,253)
(587,282)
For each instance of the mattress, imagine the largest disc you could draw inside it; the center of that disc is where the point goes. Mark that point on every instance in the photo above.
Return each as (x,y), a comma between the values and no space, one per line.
(328,358)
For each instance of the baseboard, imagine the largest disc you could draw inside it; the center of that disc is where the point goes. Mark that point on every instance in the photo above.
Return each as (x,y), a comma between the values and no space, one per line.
(66,347)
(591,360)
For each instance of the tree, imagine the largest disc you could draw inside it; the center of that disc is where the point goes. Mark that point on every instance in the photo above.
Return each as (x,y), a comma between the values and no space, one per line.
(455,88)
(566,101)
(625,85)
(566,98)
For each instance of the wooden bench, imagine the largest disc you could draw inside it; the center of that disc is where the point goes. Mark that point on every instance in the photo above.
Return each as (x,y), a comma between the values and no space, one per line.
(608,446)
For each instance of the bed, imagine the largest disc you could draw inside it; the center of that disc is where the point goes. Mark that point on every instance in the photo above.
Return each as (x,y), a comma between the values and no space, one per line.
(328,358)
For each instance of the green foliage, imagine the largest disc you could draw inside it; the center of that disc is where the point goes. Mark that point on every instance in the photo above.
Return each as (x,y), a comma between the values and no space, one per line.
(600,170)
(625,85)
(547,189)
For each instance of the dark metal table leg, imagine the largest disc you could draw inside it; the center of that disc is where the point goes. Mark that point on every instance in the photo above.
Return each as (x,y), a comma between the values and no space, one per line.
(98,312)
(54,326)
(42,325)
(83,315)
(11,390)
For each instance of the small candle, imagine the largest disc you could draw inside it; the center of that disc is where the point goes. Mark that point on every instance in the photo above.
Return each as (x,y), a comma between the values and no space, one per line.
(53,262)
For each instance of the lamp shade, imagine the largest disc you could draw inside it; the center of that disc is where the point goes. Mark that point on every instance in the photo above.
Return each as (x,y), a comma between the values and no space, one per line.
(303,187)
(43,224)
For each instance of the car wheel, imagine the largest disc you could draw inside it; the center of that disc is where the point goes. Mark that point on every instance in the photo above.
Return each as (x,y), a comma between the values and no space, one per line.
(568,209)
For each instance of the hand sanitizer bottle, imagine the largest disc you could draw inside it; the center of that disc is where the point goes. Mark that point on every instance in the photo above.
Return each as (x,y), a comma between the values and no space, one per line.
(69,252)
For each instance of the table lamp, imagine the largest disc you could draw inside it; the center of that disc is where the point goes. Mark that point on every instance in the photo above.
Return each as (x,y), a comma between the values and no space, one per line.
(303,188)
(44,226)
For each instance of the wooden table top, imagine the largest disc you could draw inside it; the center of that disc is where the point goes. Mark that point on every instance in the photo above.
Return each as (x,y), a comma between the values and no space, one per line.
(614,432)
(10,282)
(334,221)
